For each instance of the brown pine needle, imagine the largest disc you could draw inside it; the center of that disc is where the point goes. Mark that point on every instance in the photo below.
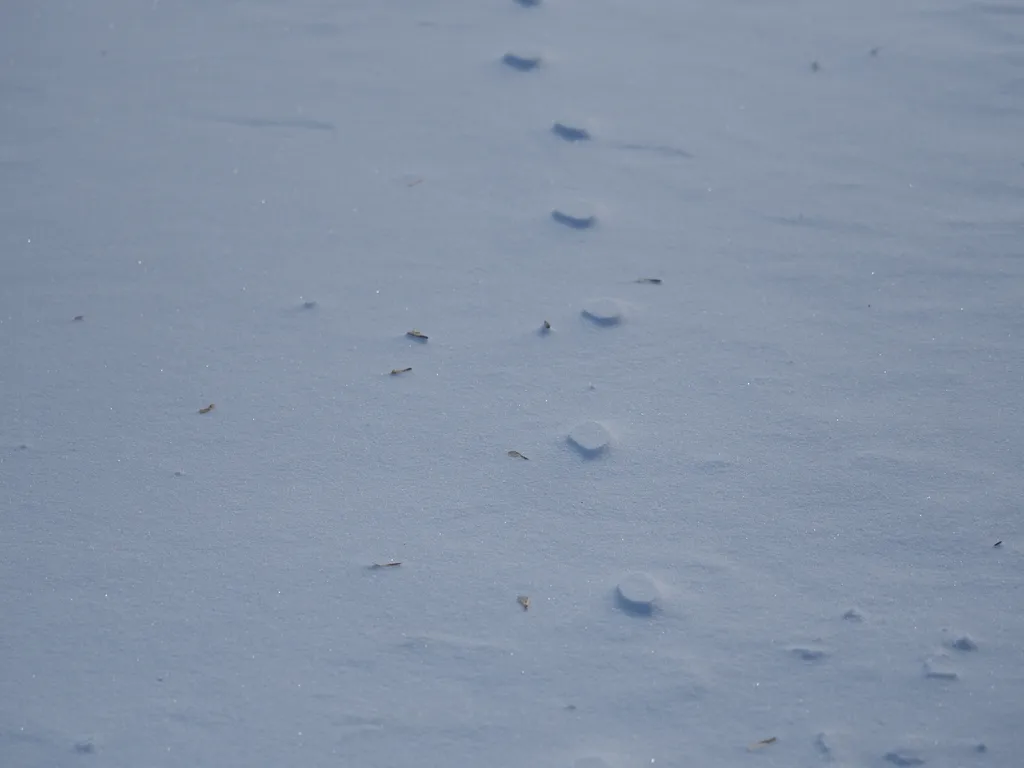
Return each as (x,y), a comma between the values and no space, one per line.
(207,409)
(762,743)
(396,371)
(414,334)
(650,280)
(393,564)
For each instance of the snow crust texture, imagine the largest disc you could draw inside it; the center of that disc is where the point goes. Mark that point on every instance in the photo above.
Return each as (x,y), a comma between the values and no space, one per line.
(570,384)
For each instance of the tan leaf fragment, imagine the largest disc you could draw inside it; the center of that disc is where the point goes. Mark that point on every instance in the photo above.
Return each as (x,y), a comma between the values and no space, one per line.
(524,601)
(517,455)
(414,334)
(207,409)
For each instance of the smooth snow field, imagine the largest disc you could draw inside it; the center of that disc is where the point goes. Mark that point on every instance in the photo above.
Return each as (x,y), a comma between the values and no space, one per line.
(710,428)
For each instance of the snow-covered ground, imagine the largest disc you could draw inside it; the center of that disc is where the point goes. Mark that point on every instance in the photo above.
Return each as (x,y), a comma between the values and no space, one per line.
(761,497)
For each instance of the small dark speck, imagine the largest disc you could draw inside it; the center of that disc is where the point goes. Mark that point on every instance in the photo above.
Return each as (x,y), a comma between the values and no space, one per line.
(570,707)
(85,748)
(875,50)
(815,66)
(309,305)
(78,318)
(179,473)
(998,543)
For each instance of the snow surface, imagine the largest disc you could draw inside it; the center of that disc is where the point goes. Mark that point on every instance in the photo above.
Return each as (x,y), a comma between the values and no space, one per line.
(816,415)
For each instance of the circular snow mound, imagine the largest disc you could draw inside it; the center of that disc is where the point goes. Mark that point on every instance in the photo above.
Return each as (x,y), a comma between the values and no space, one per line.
(604,311)
(638,593)
(590,438)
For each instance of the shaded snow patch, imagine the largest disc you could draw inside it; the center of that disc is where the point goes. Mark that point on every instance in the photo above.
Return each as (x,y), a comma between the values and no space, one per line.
(604,312)
(521,63)
(574,221)
(569,133)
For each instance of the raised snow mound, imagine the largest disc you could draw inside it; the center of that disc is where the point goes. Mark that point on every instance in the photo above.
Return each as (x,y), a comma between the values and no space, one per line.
(638,593)
(591,438)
